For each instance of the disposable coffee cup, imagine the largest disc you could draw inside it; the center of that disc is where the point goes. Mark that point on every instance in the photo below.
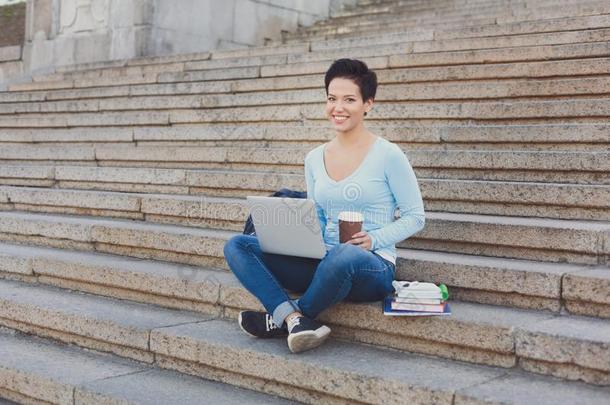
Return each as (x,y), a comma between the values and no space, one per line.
(350,223)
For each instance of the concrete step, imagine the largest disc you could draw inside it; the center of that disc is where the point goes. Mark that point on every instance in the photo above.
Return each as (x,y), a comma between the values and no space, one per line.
(472,137)
(513,237)
(503,13)
(502,9)
(492,55)
(209,64)
(442,7)
(445,57)
(206,64)
(85,119)
(36,370)
(522,112)
(243,72)
(180,58)
(575,137)
(112,72)
(525,284)
(538,199)
(512,40)
(589,86)
(557,52)
(457,29)
(525,27)
(447,26)
(502,36)
(42,176)
(419,69)
(82,136)
(321,60)
(179,94)
(372,28)
(535,341)
(209,87)
(68,84)
(149,60)
(552,11)
(427,14)
(454,20)
(533,166)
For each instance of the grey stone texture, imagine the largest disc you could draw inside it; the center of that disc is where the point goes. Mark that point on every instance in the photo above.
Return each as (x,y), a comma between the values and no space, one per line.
(95,377)
(530,389)
(46,371)
(486,329)
(104,320)
(500,276)
(10,53)
(168,387)
(50,373)
(525,238)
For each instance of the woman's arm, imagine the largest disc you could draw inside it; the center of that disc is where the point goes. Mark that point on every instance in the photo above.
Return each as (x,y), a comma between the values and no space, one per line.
(310,181)
(403,185)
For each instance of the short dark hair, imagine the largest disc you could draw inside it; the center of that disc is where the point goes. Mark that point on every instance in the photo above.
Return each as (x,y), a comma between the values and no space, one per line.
(358,72)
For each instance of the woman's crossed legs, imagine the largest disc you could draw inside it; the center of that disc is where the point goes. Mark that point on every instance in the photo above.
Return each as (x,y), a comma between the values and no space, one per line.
(346,272)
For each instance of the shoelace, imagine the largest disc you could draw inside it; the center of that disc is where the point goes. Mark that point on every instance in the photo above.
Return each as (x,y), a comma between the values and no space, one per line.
(270,325)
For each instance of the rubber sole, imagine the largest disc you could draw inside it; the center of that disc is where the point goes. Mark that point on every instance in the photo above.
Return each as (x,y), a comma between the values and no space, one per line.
(307,340)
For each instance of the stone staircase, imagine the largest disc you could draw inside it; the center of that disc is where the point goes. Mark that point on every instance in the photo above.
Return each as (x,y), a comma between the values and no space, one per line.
(121,181)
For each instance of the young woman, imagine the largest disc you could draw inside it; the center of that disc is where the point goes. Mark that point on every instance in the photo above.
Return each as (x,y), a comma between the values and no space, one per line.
(355,171)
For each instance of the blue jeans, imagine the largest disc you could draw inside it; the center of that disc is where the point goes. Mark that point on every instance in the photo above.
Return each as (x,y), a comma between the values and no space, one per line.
(346,272)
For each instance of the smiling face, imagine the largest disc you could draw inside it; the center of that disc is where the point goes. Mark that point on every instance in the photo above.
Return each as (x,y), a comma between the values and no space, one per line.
(344,105)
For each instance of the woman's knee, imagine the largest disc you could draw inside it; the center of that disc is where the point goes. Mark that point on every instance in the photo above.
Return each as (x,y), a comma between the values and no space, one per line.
(339,260)
(344,253)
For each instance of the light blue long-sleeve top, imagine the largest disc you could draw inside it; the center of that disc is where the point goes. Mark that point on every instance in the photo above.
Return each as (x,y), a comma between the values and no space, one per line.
(383,182)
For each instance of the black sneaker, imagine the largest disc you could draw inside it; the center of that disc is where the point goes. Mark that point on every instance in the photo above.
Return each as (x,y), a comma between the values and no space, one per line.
(306,334)
(260,325)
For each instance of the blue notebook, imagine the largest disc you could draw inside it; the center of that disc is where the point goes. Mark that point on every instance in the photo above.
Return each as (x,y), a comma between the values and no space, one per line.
(387,310)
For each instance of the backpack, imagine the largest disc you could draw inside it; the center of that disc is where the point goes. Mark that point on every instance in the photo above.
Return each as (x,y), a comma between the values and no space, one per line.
(284,192)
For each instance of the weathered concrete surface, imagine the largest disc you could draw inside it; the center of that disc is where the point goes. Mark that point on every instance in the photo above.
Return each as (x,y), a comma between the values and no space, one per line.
(345,371)
(56,373)
(116,322)
(531,389)
(166,387)
(50,372)
(587,292)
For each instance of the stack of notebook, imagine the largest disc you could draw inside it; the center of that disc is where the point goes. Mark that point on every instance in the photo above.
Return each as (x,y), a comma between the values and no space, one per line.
(413,298)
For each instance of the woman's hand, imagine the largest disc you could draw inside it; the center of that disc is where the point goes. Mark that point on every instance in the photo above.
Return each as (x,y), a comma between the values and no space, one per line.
(361,239)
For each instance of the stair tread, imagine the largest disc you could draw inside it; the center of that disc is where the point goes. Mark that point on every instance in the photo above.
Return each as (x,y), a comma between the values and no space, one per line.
(224,337)
(69,372)
(87,305)
(593,226)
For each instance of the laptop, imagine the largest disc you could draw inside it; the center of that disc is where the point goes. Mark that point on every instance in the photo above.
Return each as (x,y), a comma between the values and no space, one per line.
(287,226)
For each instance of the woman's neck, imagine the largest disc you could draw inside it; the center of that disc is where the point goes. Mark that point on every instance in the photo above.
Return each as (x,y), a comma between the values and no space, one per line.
(354,138)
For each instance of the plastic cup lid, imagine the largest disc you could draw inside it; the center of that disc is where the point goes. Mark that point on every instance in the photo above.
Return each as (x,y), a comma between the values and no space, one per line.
(351,216)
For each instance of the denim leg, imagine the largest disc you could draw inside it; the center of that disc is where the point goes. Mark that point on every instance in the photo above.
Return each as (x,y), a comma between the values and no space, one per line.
(347,272)
(267,275)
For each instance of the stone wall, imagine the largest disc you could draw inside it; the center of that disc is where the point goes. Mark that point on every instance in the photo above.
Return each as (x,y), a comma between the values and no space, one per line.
(67,32)
(199,25)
